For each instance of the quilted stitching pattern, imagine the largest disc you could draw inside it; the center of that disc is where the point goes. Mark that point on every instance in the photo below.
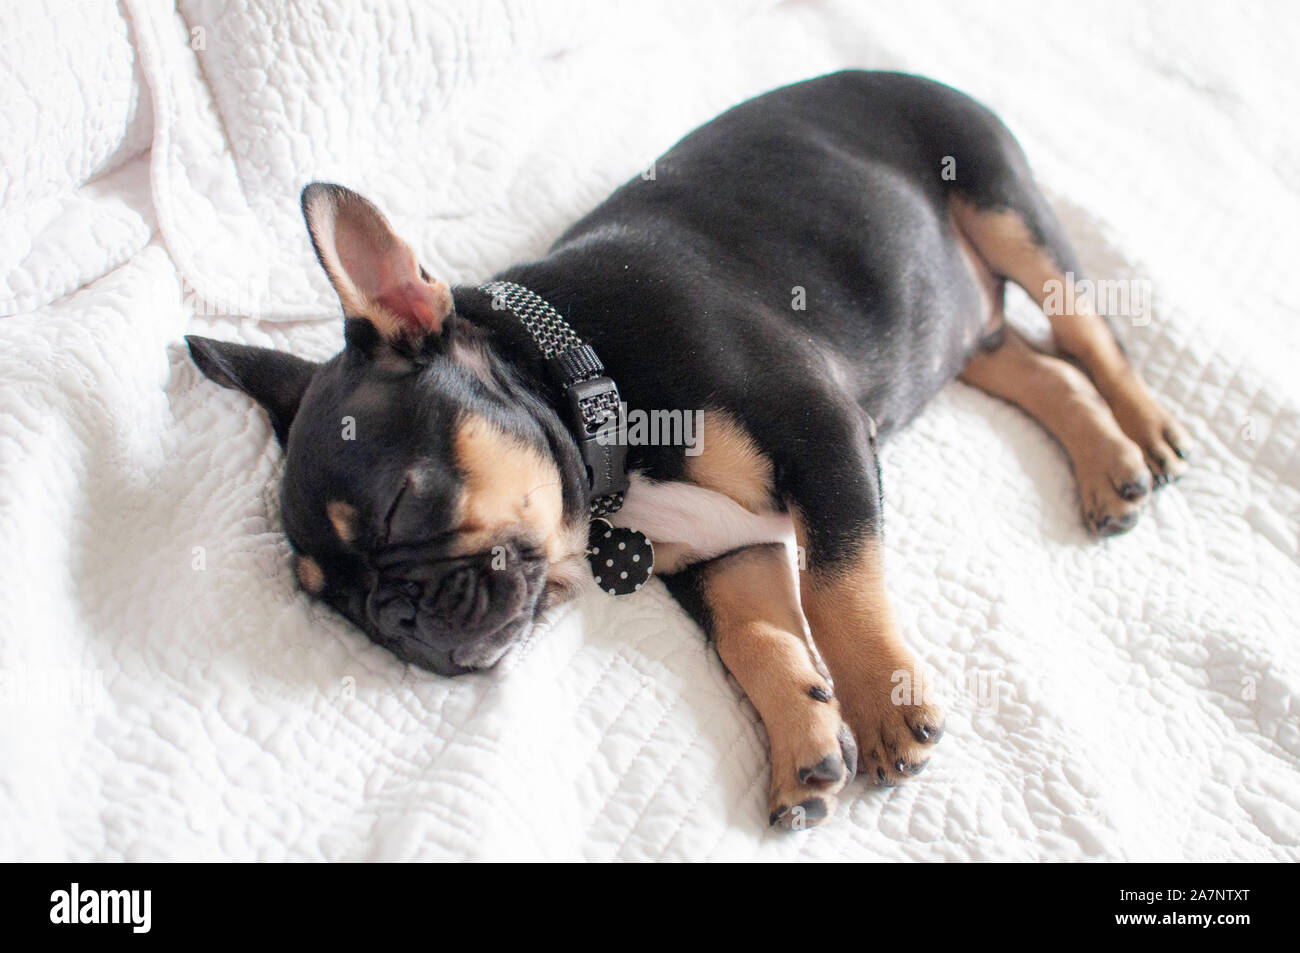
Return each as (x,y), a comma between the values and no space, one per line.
(75,108)
(1134,699)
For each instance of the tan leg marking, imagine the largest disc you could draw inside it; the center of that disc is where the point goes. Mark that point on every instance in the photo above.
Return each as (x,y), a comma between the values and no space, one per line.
(731,463)
(1004,241)
(1108,466)
(992,288)
(881,688)
(759,632)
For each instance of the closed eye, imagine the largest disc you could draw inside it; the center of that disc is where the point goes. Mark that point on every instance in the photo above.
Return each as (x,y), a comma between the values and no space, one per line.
(392,508)
(530,552)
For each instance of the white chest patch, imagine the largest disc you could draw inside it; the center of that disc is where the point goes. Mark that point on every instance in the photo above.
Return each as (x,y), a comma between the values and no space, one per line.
(688,523)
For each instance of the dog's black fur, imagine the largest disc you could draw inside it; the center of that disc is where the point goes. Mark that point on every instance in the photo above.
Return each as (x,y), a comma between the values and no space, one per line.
(685,284)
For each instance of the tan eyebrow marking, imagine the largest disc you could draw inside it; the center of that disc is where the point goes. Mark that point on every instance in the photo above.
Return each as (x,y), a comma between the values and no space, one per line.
(310,575)
(507,483)
(343,517)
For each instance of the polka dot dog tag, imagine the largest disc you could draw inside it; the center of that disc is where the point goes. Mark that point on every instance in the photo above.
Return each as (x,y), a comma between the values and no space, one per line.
(621,559)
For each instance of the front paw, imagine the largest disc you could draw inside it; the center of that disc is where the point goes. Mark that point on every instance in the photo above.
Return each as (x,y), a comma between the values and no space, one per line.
(896,724)
(1113,484)
(1164,443)
(813,756)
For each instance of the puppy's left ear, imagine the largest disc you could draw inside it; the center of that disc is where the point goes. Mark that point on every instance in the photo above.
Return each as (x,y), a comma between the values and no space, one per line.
(373,271)
(274,379)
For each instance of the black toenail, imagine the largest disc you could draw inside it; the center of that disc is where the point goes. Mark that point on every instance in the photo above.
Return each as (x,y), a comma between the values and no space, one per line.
(829,768)
(814,809)
(924,734)
(1133,491)
(819,693)
(776,816)
(1113,526)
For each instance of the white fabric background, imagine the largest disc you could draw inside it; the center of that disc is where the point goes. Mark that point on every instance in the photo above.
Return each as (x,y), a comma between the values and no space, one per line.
(1146,687)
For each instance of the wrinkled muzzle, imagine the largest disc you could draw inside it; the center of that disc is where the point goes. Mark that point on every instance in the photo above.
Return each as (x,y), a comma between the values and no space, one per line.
(454,615)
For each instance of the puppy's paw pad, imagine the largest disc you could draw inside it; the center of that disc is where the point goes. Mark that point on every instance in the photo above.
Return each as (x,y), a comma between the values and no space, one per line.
(829,768)
(1129,476)
(1113,482)
(807,813)
(1111,521)
(808,767)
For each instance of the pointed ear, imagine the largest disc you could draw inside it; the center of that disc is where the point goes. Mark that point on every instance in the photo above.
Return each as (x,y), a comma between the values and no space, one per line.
(374,272)
(274,379)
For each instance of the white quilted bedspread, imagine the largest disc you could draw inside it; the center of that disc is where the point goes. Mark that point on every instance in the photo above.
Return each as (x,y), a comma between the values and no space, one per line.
(167,693)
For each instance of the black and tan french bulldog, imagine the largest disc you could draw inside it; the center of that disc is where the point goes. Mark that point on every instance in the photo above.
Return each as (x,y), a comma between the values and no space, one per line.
(899,208)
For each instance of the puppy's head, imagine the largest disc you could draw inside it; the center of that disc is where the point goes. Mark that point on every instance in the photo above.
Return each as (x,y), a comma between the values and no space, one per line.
(430,495)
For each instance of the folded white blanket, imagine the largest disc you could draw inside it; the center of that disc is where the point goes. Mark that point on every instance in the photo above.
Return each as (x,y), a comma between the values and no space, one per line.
(1133,699)
(75,109)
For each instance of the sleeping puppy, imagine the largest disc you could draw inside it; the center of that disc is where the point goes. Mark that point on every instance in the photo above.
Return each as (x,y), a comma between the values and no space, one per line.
(801,275)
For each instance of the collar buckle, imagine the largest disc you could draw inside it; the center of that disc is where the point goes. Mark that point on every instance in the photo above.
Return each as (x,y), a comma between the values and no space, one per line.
(594,410)
(596,420)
